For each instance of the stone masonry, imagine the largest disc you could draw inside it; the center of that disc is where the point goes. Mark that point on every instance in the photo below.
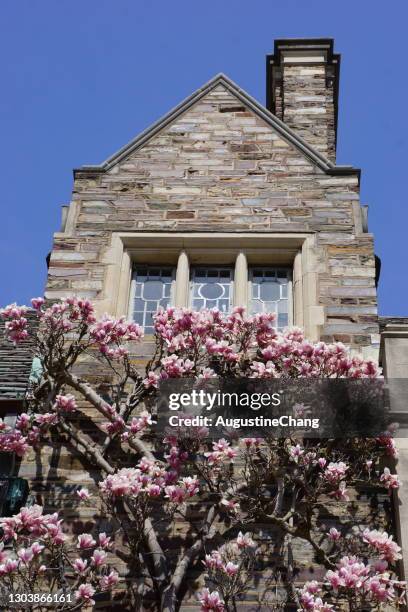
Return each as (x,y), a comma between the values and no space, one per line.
(221,163)
(220,167)
(303,79)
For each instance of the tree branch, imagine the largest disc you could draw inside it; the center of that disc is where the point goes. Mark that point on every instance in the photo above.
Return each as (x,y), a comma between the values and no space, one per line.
(158,556)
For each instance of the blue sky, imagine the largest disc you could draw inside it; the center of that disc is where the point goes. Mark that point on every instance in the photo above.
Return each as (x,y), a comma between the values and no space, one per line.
(80,78)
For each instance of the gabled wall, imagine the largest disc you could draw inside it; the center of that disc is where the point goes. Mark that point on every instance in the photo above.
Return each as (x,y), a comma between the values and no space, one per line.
(219,167)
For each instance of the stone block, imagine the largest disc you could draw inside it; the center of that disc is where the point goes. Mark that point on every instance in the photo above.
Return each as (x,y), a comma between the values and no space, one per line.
(180,214)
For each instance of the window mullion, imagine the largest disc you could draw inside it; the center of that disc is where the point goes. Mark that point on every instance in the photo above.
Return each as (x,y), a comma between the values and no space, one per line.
(241,281)
(182,281)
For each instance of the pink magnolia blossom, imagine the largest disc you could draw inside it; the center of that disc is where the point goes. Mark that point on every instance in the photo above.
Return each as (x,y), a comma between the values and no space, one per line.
(295,452)
(85,592)
(108,332)
(245,541)
(211,601)
(335,472)
(351,573)
(152,380)
(47,419)
(368,580)
(116,425)
(16,323)
(65,403)
(12,311)
(14,442)
(175,457)
(207,373)
(383,543)
(222,451)
(85,540)
(140,423)
(99,557)
(263,370)
(390,481)
(341,492)
(125,482)
(379,589)
(24,422)
(334,535)
(109,581)
(25,555)
(36,548)
(83,494)
(8,567)
(190,484)
(32,521)
(153,490)
(310,601)
(37,303)
(185,488)
(214,560)
(133,482)
(231,569)
(80,565)
(105,541)
(175,367)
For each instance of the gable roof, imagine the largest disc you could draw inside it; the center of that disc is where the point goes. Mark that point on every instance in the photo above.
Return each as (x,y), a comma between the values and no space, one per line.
(220,79)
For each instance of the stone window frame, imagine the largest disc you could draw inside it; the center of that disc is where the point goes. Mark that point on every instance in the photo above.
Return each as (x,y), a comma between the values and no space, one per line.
(242,249)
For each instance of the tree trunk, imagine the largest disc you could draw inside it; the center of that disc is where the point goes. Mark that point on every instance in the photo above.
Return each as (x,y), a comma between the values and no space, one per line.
(169,599)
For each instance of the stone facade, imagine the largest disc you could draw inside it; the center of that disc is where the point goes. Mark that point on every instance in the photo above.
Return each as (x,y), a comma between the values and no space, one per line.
(222,165)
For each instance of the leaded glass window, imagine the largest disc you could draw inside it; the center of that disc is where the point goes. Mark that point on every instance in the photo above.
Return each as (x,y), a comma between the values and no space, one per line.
(270,292)
(211,288)
(152,288)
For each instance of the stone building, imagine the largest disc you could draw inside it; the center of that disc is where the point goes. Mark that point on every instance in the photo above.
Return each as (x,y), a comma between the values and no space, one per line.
(227,202)
(222,181)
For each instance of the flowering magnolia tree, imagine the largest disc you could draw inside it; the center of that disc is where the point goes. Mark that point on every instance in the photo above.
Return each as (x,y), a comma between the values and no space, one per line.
(224,490)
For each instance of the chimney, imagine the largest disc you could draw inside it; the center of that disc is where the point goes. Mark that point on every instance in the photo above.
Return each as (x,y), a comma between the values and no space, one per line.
(302,88)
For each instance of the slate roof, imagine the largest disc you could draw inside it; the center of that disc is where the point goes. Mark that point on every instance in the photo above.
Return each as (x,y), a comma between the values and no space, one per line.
(15,363)
(261,111)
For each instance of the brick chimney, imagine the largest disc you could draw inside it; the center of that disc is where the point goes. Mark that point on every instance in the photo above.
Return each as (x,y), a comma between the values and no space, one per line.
(302,84)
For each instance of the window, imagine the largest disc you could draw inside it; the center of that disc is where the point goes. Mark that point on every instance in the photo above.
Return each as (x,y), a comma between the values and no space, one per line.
(270,292)
(13,490)
(205,271)
(211,287)
(8,460)
(151,288)
(13,495)
(183,251)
